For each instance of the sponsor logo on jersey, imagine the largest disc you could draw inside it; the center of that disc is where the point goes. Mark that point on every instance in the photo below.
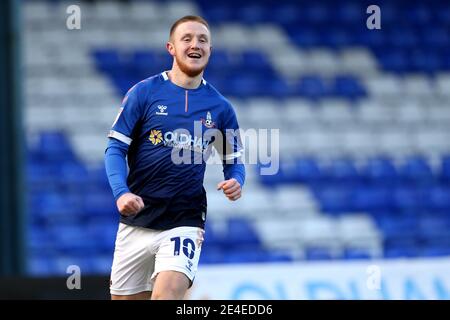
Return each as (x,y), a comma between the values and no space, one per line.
(155,137)
(185,141)
(162,110)
(179,140)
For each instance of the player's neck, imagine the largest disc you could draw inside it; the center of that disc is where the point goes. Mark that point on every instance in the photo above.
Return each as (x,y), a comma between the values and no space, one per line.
(183,80)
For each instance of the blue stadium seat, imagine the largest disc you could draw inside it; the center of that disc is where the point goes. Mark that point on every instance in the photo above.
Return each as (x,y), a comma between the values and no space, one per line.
(394,60)
(318,253)
(339,38)
(356,254)
(80,260)
(406,199)
(445,169)
(39,240)
(253,59)
(54,147)
(214,239)
(312,87)
(348,87)
(246,85)
(333,199)
(107,60)
(123,83)
(418,15)
(101,263)
(340,170)
(435,252)
(403,38)
(41,174)
(316,14)
(437,199)
(211,253)
(399,229)
(256,255)
(279,88)
(417,170)
(434,37)
(73,174)
(72,239)
(285,13)
(370,199)
(103,231)
(100,203)
(401,252)
(218,13)
(376,41)
(282,176)
(434,230)
(304,37)
(349,13)
(57,206)
(97,178)
(241,233)
(252,14)
(425,60)
(218,62)
(305,170)
(379,170)
(442,13)
(145,63)
(40,265)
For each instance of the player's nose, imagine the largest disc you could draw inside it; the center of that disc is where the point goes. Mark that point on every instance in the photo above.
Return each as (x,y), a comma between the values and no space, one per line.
(195,44)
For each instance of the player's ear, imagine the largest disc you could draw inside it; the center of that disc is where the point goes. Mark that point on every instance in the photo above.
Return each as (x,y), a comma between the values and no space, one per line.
(170,48)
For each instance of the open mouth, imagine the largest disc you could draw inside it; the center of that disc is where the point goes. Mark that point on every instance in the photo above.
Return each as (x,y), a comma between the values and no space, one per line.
(194,55)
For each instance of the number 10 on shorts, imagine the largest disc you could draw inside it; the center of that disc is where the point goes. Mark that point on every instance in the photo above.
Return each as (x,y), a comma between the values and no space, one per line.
(188,247)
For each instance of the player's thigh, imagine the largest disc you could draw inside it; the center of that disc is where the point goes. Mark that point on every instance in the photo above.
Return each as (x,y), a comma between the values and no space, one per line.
(178,252)
(170,285)
(133,262)
(145,295)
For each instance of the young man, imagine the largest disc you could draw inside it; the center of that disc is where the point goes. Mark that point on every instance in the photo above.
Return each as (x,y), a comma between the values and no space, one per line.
(162,201)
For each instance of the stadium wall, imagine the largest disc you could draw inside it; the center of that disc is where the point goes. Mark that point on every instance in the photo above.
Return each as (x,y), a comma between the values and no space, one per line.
(405,279)
(420,279)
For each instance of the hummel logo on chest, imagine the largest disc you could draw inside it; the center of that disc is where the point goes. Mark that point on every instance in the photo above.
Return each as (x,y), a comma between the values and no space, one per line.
(162,110)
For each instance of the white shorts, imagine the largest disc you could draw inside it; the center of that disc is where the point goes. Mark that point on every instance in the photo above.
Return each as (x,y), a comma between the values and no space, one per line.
(142,253)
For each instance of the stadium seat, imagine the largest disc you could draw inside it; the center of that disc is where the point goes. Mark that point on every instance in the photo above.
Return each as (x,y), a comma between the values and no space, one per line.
(416,169)
(380,170)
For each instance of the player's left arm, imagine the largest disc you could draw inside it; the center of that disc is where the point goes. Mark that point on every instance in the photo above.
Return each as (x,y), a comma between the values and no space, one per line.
(233,168)
(234,180)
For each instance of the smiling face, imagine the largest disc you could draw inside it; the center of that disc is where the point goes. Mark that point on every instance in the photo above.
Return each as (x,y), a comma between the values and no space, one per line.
(190,45)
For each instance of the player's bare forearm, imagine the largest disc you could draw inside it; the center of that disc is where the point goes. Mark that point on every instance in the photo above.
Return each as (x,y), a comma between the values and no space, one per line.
(231,188)
(129,204)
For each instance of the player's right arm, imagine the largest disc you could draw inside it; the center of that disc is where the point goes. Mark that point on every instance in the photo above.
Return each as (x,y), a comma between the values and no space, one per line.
(116,170)
(129,204)
(120,138)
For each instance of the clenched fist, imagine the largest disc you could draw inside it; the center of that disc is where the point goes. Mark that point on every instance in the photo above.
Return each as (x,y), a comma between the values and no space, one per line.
(231,188)
(129,204)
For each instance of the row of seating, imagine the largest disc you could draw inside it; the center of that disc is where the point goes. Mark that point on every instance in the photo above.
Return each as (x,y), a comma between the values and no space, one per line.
(252,75)
(381,169)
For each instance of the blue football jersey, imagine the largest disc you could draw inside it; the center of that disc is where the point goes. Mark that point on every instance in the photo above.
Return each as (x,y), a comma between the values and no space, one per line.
(171,131)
